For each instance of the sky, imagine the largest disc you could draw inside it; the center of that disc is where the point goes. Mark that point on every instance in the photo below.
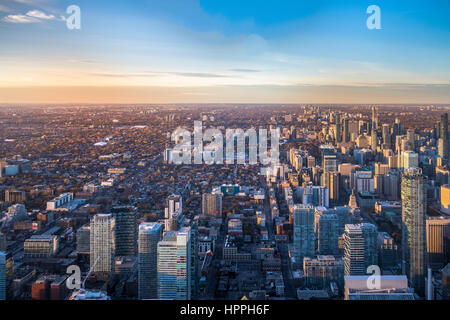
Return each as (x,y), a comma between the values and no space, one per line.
(210,51)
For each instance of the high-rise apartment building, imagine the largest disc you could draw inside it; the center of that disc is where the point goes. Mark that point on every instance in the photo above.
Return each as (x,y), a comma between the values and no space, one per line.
(304,236)
(174,265)
(443,134)
(360,248)
(346,134)
(414,207)
(149,235)
(338,128)
(84,239)
(6,273)
(328,234)
(102,244)
(386,133)
(331,181)
(125,233)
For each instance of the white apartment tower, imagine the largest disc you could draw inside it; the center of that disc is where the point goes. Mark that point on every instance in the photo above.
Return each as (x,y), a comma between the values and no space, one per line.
(174,265)
(102,244)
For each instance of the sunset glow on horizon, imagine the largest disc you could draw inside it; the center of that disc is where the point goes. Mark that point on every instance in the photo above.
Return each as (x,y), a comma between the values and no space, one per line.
(207,51)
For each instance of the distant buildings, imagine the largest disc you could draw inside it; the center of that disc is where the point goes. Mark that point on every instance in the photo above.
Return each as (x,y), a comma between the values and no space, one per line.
(3,242)
(443,135)
(212,205)
(15,196)
(59,201)
(64,202)
(17,212)
(117,170)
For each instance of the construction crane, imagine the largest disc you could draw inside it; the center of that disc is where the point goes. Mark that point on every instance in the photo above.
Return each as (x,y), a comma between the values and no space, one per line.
(89,273)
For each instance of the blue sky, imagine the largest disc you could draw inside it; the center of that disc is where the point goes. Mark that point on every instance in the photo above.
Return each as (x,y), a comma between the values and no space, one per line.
(213,51)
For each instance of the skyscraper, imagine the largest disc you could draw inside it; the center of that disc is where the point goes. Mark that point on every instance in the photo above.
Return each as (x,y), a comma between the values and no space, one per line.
(149,236)
(441,148)
(304,236)
(328,234)
(174,265)
(360,248)
(84,239)
(346,135)
(386,132)
(194,258)
(374,140)
(338,128)
(125,233)
(414,207)
(331,181)
(374,119)
(3,242)
(411,138)
(6,273)
(102,245)
(443,133)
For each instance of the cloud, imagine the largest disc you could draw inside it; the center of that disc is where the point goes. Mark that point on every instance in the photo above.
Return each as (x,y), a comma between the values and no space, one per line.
(32,16)
(246,70)
(40,15)
(19,18)
(86,61)
(199,75)
(120,75)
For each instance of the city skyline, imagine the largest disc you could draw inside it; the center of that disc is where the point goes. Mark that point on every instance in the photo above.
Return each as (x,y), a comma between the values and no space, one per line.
(195,154)
(224,52)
